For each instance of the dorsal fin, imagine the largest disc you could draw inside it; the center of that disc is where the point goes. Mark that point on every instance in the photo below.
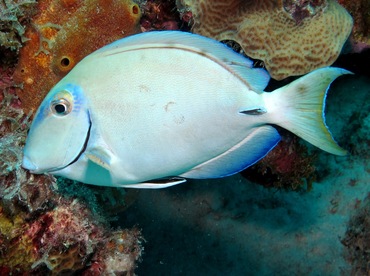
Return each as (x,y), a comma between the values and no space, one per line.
(256,78)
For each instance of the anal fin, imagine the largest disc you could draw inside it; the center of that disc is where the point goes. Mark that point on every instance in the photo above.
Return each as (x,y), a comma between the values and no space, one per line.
(254,147)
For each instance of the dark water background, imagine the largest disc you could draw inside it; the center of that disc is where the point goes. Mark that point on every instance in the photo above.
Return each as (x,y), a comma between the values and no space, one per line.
(234,227)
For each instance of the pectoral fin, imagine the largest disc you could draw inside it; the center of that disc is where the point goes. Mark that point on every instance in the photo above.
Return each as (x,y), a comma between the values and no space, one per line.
(100,156)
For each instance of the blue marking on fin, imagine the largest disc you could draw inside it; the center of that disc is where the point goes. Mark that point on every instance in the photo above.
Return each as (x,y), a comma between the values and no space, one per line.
(249,151)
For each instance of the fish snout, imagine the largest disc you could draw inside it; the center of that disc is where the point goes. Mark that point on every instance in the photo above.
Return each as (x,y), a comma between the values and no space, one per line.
(28,164)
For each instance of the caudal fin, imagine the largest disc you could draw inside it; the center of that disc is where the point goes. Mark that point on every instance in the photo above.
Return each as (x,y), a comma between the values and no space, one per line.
(299,108)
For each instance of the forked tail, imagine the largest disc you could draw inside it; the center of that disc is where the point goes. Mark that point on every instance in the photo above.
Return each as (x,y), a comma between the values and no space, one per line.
(299,108)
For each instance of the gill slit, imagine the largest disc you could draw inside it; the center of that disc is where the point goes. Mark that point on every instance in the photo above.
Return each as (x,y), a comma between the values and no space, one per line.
(82,150)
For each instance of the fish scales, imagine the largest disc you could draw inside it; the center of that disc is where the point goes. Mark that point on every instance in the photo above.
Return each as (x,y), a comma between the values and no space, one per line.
(151,110)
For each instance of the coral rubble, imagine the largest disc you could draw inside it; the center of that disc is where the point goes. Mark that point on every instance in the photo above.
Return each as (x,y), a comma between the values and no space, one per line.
(61,34)
(290,37)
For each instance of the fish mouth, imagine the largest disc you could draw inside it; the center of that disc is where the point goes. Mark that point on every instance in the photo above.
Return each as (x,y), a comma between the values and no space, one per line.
(83,149)
(28,165)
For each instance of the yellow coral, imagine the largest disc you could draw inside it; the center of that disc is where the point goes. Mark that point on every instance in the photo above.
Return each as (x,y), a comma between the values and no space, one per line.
(289,40)
(17,249)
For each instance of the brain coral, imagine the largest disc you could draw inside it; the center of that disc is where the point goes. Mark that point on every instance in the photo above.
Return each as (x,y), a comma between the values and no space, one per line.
(290,37)
(61,34)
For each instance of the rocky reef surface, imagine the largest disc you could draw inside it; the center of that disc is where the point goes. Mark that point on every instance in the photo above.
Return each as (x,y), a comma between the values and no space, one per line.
(297,204)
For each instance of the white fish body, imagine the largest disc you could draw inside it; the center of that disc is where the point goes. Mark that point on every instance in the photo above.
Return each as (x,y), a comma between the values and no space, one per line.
(169,105)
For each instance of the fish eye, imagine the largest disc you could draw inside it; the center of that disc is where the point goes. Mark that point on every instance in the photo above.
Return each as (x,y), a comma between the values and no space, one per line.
(60,107)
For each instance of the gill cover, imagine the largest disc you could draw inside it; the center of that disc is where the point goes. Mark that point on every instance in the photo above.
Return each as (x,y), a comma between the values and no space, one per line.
(59,130)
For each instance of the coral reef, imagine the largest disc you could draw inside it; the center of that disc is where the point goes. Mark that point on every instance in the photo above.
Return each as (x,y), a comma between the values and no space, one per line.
(65,239)
(357,239)
(288,166)
(290,37)
(159,15)
(44,232)
(14,15)
(360,11)
(61,34)
(62,239)
(120,250)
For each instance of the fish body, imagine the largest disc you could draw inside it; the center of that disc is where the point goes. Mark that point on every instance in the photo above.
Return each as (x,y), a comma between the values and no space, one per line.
(153,109)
